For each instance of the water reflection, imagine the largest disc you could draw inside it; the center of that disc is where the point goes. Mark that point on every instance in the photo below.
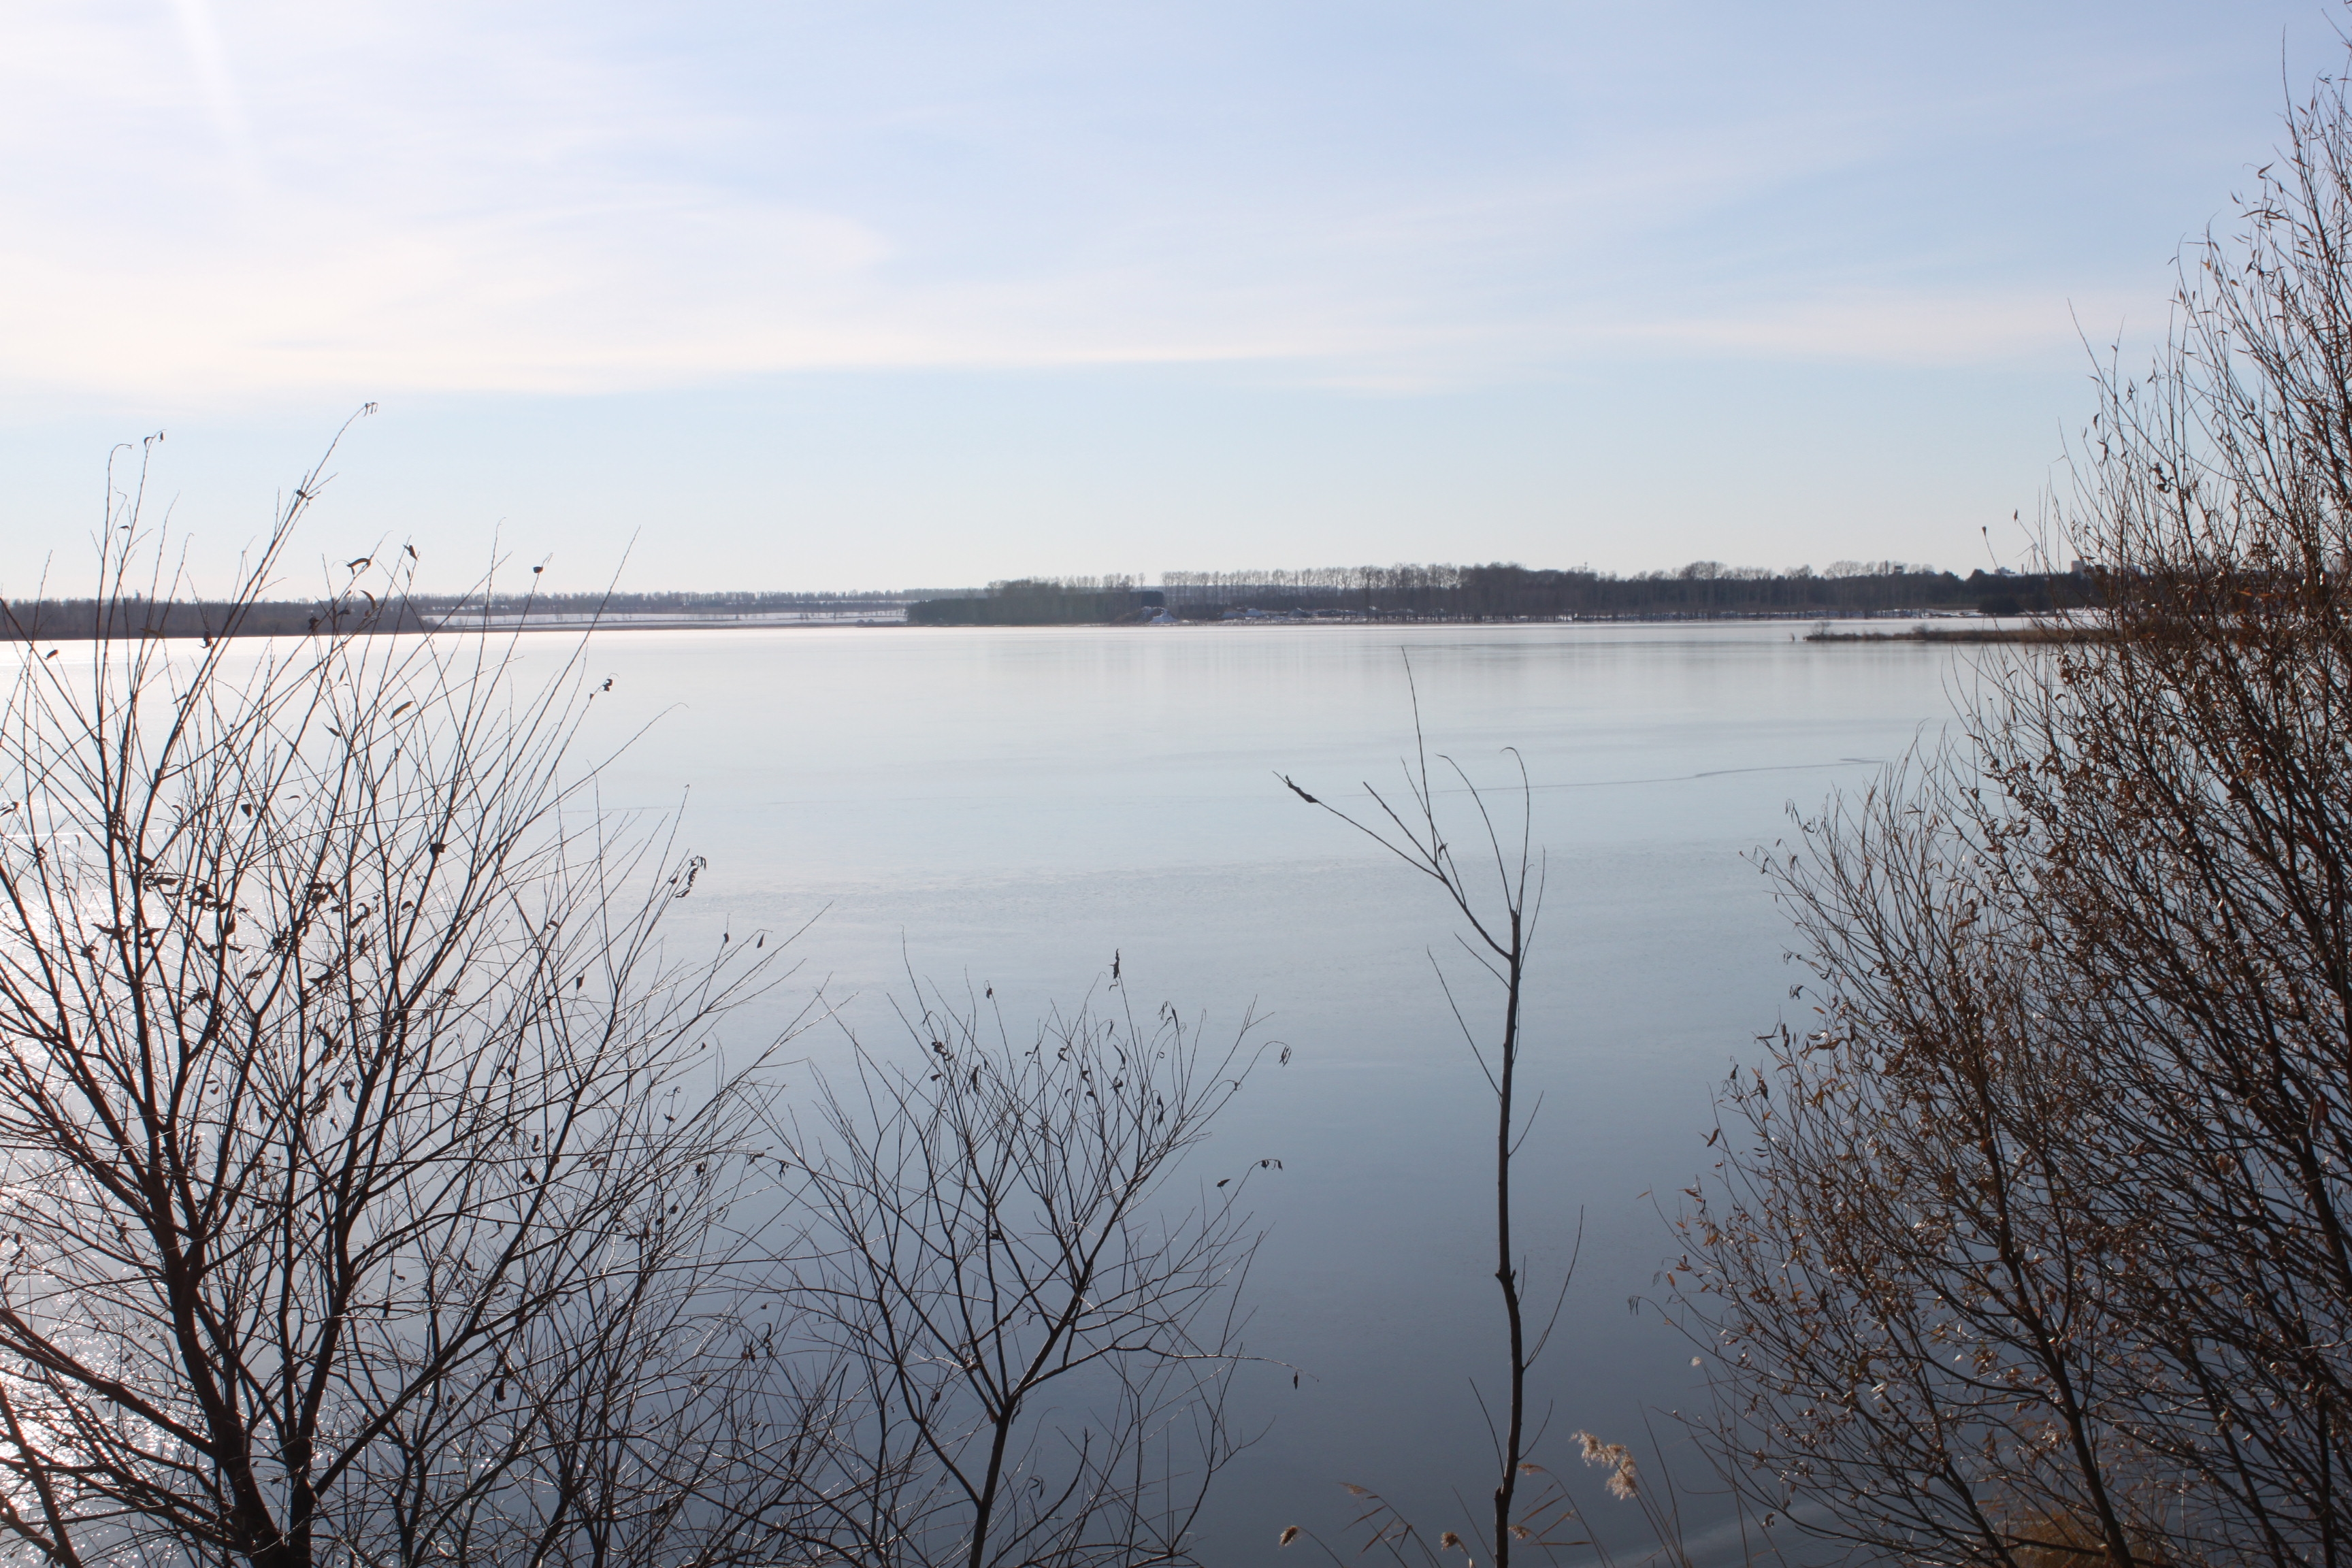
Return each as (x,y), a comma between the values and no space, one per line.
(1011,805)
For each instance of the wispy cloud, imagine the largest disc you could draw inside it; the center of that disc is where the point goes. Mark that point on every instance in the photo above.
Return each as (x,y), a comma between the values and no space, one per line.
(210,63)
(427,197)
(1887,326)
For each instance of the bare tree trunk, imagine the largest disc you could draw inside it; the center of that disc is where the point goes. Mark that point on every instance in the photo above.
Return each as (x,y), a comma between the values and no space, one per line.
(1506,1273)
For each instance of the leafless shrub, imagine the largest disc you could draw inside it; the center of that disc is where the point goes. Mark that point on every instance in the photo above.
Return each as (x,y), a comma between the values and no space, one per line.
(2034,1248)
(372,1172)
(1038,1356)
(378,1189)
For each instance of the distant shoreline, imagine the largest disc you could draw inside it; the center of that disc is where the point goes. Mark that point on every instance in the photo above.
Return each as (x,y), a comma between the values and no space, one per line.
(766,623)
(2028,633)
(1498,594)
(76,629)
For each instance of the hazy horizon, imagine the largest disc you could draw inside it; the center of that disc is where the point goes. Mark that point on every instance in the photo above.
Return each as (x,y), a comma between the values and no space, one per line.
(516,580)
(905,291)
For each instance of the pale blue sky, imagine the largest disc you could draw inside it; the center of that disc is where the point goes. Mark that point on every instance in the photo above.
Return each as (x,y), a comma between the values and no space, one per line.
(881,294)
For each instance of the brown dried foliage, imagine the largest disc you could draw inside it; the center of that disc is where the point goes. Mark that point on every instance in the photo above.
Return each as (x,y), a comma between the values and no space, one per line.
(2034,1247)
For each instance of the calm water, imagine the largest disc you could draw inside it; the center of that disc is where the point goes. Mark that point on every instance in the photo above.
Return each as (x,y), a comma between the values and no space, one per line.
(1011,805)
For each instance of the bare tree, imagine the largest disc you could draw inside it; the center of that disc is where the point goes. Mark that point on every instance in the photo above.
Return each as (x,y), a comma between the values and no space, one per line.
(377,1187)
(1037,1357)
(1496,929)
(2038,1248)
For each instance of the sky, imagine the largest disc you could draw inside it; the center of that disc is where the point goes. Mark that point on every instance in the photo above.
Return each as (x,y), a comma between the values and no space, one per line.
(879,294)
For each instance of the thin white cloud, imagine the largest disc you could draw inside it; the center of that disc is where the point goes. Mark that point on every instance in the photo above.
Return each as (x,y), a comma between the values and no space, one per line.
(543,201)
(210,63)
(1959,326)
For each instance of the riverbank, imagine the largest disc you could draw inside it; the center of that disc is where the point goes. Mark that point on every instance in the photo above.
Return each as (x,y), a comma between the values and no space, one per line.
(1994,634)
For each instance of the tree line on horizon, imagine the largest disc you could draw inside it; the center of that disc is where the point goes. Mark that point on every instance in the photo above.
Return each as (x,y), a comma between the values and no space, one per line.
(87,619)
(1507,591)
(1497,591)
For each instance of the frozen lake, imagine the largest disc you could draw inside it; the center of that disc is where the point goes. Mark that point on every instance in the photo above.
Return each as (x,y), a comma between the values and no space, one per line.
(1012,805)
